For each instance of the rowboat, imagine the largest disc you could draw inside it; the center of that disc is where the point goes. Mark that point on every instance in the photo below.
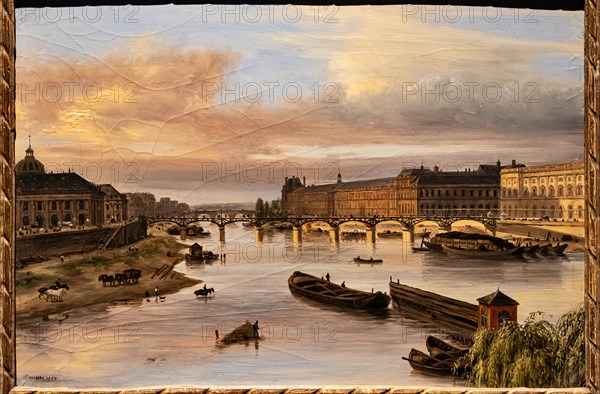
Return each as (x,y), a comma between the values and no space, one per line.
(559,249)
(433,247)
(531,250)
(443,350)
(424,363)
(323,291)
(367,261)
(420,249)
(483,253)
(390,234)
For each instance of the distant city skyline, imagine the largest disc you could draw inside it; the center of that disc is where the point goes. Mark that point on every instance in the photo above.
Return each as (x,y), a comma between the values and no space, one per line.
(206,103)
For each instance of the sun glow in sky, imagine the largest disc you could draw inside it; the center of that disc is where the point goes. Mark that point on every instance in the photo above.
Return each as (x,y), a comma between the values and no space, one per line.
(191,100)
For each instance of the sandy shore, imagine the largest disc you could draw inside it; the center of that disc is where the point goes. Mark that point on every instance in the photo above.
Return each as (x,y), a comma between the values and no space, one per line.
(81,273)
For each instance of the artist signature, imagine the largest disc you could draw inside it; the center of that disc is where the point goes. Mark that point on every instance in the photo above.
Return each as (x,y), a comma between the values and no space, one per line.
(40,377)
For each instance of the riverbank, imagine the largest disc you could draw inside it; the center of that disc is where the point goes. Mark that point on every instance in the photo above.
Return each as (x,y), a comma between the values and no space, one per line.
(81,272)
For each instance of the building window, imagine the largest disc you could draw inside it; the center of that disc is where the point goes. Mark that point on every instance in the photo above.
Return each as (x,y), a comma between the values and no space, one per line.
(579,212)
(447,193)
(542,191)
(561,191)
(462,193)
(25,221)
(569,190)
(579,190)
(495,193)
(534,192)
(68,205)
(81,204)
(525,192)
(455,193)
(54,205)
(471,193)
(40,205)
(480,193)
(570,211)
(551,191)
(26,206)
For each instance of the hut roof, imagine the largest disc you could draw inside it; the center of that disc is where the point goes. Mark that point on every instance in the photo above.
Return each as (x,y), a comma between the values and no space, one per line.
(497,298)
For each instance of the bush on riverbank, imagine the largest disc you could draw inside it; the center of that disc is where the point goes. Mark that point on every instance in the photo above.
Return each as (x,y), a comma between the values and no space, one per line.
(533,354)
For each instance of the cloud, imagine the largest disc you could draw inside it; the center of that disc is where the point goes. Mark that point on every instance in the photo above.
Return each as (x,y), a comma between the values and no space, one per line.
(154,115)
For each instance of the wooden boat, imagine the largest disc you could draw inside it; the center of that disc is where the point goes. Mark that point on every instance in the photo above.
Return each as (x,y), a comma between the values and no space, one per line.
(193,259)
(483,253)
(442,350)
(420,249)
(354,234)
(433,247)
(206,257)
(559,249)
(545,250)
(531,250)
(367,261)
(390,234)
(424,363)
(323,291)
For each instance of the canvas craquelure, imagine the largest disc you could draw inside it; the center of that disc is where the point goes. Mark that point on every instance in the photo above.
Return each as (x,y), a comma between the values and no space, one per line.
(282,195)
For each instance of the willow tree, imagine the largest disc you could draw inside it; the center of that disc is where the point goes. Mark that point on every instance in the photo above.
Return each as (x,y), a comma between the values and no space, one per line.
(533,354)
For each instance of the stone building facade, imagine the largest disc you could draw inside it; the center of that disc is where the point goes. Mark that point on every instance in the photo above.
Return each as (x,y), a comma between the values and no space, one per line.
(115,204)
(52,200)
(414,192)
(140,204)
(555,191)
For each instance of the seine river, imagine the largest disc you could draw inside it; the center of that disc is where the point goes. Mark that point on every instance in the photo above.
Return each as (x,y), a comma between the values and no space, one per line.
(153,343)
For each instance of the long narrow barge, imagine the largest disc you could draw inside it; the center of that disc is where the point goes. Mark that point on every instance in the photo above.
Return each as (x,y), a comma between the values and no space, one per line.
(457,313)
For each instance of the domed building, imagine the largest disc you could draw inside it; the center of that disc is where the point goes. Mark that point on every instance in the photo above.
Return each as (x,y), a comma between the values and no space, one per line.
(29,165)
(55,200)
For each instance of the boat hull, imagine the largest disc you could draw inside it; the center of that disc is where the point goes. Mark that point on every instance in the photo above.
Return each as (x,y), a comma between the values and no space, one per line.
(309,286)
(485,254)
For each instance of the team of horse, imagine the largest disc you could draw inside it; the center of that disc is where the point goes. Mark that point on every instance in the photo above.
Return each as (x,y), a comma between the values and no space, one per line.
(128,276)
(54,292)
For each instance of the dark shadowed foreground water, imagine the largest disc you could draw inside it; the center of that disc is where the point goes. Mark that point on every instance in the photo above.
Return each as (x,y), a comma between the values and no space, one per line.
(173,342)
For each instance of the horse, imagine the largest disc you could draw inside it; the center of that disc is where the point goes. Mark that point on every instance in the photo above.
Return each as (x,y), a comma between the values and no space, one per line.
(120,278)
(42,291)
(132,275)
(56,295)
(59,286)
(110,279)
(202,292)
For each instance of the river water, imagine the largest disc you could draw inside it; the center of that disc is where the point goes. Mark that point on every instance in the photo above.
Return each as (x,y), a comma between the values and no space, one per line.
(172,341)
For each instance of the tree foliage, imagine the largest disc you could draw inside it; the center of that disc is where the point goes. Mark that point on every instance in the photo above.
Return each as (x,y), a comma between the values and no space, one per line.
(533,354)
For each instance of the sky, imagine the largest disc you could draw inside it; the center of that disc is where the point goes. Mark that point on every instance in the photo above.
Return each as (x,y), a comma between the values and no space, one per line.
(211,103)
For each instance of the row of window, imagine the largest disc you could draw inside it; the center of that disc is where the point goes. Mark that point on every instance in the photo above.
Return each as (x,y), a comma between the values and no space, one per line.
(425,207)
(541,192)
(551,179)
(40,220)
(54,204)
(456,193)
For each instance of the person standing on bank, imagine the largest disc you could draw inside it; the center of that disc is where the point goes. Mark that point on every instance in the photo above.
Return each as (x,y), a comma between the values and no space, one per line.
(255,329)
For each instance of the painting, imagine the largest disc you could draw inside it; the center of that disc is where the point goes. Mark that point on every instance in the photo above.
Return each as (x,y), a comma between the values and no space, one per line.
(247,195)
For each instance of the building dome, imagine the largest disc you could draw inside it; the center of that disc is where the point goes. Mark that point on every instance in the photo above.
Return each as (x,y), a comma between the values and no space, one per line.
(29,165)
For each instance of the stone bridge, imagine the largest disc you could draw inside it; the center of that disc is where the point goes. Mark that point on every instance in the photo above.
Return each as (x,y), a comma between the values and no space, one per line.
(408,224)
